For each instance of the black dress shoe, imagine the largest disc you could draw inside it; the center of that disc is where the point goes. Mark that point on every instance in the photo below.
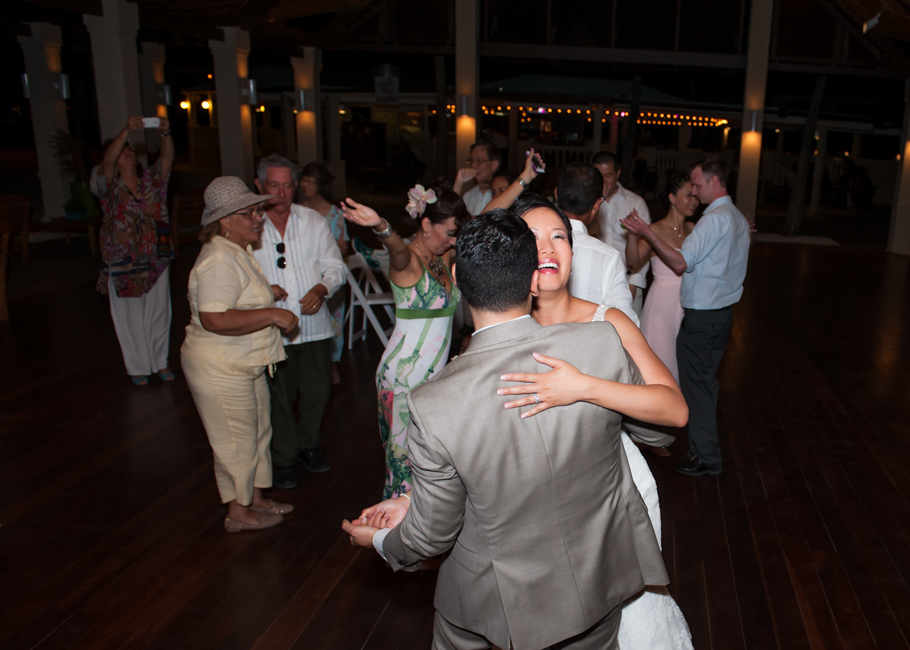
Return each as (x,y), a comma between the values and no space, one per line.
(314,461)
(694,467)
(284,477)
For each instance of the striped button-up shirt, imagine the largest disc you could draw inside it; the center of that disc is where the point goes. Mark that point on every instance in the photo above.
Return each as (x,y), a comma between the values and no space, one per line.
(312,257)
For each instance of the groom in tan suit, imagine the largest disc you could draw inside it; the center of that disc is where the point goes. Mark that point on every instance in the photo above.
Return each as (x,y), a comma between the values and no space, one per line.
(548,535)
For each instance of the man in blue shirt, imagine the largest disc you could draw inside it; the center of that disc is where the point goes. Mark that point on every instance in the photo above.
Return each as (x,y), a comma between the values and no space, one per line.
(713,264)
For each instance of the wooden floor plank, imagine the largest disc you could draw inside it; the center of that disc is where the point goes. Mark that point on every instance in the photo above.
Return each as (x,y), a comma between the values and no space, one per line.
(112,530)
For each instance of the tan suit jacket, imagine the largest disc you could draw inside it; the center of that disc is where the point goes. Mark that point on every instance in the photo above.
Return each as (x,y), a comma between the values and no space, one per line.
(547,531)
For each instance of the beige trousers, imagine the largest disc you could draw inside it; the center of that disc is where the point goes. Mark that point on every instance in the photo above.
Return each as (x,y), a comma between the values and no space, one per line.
(233,402)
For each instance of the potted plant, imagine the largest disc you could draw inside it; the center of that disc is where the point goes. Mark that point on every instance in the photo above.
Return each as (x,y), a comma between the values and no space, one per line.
(70,151)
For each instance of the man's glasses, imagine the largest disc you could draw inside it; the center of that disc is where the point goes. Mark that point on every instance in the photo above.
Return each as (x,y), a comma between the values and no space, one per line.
(281,262)
(478,161)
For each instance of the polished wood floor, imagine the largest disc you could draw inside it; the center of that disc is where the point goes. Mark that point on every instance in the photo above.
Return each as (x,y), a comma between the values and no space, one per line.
(110,523)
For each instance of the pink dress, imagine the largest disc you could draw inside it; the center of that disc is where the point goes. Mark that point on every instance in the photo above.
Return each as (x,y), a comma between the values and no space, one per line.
(662,314)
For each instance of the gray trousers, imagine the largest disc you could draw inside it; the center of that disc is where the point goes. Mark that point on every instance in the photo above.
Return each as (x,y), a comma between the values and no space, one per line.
(603,635)
(700,346)
(306,371)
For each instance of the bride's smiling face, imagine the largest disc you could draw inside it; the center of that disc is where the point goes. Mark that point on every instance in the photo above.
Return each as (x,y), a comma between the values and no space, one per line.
(554,253)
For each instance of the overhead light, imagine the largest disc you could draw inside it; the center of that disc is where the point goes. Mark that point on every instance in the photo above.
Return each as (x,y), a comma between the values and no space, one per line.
(872,22)
(185,105)
(206,104)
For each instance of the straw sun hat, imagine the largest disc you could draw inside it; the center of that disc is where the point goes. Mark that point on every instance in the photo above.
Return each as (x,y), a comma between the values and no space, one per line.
(226,195)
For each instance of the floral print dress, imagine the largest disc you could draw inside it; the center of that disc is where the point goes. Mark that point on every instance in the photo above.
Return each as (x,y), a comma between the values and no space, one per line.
(417,349)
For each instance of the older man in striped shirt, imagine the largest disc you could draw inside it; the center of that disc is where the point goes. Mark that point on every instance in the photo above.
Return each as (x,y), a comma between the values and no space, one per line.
(303,264)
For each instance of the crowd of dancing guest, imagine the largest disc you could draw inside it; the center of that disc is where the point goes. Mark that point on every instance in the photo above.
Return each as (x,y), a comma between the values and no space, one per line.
(316,186)
(425,300)
(136,252)
(231,342)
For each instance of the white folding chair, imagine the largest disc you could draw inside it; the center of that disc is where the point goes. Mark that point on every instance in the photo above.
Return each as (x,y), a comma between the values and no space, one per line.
(366,293)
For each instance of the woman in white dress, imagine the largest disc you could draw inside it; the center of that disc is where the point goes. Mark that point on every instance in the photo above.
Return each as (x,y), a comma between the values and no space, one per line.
(652,620)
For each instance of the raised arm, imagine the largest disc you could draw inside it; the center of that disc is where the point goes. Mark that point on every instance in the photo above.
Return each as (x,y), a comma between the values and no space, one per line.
(363,215)
(166,159)
(462,178)
(109,164)
(514,190)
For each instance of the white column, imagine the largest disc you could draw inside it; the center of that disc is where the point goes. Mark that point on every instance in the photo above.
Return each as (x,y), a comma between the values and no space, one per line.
(235,118)
(899,234)
(467,74)
(760,22)
(151,69)
(333,131)
(309,120)
(41,52)
(819,170)
(116,66)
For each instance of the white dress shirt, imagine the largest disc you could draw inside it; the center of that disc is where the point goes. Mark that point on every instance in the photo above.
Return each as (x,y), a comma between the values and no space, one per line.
(613,234)
(598,272)
(716,254)
(312,258)
(475,200)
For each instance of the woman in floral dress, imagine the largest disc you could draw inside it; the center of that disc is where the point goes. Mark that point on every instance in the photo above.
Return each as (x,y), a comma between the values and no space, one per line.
(136,252)
(425,300)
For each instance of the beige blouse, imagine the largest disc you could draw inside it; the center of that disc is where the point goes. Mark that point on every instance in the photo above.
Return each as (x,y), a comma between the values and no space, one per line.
(226,276)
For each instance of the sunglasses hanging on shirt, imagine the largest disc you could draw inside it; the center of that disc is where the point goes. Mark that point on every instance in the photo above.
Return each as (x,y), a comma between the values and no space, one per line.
(281,262)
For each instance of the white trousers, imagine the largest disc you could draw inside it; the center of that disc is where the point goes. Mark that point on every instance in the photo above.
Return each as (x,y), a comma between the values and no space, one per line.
(143,326)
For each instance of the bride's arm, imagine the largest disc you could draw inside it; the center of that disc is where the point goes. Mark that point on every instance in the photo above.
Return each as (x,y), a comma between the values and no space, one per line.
(659,401)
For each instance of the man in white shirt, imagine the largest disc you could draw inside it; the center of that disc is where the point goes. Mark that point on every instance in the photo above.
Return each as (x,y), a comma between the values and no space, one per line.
(485,160)
(617,204)
(712,263)
(303,264)
(598,272)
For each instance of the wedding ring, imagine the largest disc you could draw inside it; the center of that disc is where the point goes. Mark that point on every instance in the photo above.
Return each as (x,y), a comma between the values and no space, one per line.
(536,399)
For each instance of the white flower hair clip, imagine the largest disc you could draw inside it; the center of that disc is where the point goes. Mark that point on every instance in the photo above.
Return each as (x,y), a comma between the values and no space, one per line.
(418,199)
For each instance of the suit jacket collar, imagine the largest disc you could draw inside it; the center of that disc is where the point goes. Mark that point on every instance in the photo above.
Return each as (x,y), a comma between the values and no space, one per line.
(503,334)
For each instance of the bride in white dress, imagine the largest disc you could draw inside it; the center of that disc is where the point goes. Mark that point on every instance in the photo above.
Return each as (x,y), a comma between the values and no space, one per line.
(652,620)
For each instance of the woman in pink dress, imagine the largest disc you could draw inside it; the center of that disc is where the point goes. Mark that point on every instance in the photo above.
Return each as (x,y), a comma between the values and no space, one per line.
(663,312)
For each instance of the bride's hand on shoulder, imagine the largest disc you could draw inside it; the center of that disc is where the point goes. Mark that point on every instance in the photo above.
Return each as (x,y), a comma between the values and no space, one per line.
(564,384)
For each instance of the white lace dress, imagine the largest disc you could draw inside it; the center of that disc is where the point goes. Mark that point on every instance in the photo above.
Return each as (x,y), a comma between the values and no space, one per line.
(652,620)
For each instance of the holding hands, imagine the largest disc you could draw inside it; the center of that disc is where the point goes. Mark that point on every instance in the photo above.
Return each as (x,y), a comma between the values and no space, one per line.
(635,225)
(563,385)
(385,514)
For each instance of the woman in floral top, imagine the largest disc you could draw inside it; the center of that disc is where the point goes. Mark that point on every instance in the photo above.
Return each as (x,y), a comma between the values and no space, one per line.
(136,252)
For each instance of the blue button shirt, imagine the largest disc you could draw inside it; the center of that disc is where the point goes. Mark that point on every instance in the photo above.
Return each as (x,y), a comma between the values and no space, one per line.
(716,254)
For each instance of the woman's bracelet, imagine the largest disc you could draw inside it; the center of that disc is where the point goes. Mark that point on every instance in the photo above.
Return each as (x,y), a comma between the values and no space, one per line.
(406,495)
(386,233)
(522,182)
(165,134)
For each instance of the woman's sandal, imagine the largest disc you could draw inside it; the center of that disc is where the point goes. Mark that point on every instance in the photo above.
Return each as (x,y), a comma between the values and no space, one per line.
(139,380)
(266,520)
(166,375)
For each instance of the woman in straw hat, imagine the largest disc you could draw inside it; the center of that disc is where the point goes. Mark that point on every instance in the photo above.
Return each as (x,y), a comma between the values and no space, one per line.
(231,340)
